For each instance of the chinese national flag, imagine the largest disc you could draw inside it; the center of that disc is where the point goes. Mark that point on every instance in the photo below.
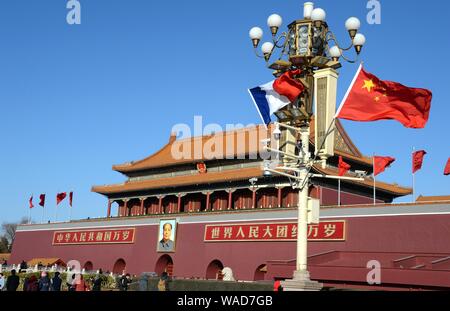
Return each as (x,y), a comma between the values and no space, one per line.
(381,163)
(31,202)
(418,160)
(371,99)
(42,200)
(60,196)
(288,86)
(447,168)
(70,198)
(343,167)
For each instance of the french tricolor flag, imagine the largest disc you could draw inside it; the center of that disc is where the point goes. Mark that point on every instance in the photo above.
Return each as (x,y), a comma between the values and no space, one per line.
(275,95)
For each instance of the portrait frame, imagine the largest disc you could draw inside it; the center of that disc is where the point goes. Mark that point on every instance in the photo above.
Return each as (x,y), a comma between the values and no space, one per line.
(161,247)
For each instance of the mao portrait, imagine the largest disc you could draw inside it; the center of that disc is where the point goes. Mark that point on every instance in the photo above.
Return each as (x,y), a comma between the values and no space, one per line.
(167,235)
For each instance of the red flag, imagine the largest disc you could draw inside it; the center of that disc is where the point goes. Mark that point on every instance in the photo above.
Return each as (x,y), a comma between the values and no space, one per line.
(381,163)
(287,86)
(371,99)
(60,196)
(31,202)
(42,200)
(343,167)
(70,198)
(418,160)
(447,168)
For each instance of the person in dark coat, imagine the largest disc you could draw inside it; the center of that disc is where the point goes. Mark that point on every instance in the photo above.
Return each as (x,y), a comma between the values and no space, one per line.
(44,282)
(56,283)
(32,285)
(124,281)
(25,284)
(97,286)
(12,282)
(23,266)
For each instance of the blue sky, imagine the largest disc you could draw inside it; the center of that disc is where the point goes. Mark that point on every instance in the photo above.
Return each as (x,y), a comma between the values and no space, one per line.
(76,99)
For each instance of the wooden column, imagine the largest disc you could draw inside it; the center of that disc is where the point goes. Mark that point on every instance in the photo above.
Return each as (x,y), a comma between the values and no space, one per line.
(125,208)
(141,212)
(160,211)
(279,197)
(208,196)
(180,195)
(253,198)
(230,198)
(108,214)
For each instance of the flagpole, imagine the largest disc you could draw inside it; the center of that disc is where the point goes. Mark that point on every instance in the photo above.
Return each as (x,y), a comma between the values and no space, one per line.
(374,182)
(414,177)
(70,205)
(42,214)
(29,210)
(56,211)
(339,192)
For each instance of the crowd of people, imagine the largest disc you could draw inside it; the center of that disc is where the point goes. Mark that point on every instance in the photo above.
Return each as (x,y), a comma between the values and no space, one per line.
(75,282)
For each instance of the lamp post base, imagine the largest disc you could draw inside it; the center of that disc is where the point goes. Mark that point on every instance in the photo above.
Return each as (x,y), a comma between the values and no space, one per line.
(301,282)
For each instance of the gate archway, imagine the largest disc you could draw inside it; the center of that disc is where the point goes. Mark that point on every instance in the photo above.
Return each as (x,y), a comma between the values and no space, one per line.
(213,268)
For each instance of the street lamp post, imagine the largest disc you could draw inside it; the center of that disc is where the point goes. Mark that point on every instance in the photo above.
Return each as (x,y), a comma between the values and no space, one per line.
(306,47)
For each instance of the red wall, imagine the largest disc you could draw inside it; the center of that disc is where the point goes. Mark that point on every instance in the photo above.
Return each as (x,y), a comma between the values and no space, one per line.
(329,197)
(400,234)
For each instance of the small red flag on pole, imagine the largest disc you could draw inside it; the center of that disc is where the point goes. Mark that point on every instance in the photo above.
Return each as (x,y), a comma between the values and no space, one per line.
(70,198)
(381,163)
(42,200)
(343,167)
(418,160)
(447,168)
(42,203)
(31,202)
(60,196)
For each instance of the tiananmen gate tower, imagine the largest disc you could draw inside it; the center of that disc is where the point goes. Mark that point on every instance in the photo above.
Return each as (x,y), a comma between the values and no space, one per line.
(226,212)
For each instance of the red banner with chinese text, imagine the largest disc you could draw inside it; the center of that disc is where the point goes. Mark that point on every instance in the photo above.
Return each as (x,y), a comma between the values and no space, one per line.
(104,236)
(325,231)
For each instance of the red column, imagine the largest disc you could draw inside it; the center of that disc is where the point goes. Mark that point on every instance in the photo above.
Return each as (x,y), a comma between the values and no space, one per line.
(142,207)
(279,197)
(109,209)
(160,205)
(207,200)
(125,208)
(179,203)
(253,198)
(230,198)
